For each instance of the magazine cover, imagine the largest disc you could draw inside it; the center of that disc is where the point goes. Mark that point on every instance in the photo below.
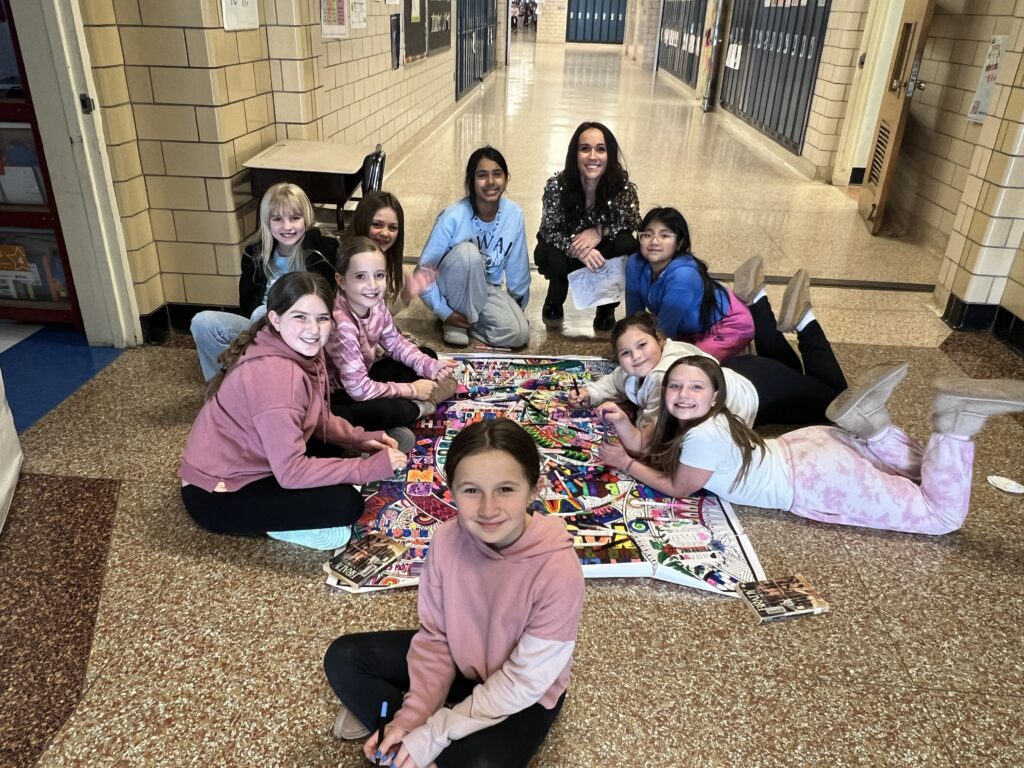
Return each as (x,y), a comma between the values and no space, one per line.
(788,597)
(364,558)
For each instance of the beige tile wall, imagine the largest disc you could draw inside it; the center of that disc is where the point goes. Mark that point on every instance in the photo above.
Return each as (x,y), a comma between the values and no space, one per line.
(185,104)
(984,261)
(551,21)
(832,88)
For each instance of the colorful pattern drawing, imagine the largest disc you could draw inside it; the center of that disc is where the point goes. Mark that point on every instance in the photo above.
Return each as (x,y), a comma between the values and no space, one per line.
(621,528)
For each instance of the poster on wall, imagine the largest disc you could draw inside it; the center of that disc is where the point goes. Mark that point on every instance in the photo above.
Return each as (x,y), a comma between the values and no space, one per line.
(415,31)
(357,14)
(396,40)
(333,18)
(240,14)
(983,93)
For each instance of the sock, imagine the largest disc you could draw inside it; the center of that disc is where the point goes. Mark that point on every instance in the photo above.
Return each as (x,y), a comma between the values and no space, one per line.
(316,538)
(757,297)
(426,408)
(807,320)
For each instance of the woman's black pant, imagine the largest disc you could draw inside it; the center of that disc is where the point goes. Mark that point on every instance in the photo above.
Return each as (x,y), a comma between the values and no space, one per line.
(555,264)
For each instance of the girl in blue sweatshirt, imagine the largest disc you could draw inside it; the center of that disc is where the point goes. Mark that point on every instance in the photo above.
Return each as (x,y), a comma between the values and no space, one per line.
(478,244)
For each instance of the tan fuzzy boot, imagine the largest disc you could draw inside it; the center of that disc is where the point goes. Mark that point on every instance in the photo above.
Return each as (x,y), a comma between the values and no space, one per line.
(962,405)
(748,279)
(796,302)
(443,390)
(862,409)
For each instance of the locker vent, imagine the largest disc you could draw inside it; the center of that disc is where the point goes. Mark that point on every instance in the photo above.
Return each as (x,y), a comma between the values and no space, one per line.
(878,158)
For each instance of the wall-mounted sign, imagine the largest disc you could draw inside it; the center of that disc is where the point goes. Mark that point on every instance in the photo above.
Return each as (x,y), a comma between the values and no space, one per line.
(240,14)
(989,73)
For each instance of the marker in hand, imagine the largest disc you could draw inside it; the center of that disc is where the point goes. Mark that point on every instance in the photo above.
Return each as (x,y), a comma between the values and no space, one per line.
(380,731)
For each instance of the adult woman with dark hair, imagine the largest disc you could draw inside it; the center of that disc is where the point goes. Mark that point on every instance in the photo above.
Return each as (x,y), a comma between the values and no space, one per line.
(477,244)
(666,279)
(590,212)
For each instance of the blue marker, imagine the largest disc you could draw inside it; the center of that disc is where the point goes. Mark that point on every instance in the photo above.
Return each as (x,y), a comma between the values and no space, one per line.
(380,728)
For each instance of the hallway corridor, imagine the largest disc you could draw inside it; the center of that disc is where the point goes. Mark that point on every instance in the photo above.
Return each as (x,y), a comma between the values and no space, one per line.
(133,638)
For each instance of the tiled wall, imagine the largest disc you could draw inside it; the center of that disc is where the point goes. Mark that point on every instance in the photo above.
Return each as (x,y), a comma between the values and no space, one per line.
(983,261)
(832,88)
(551,18)
(184,104)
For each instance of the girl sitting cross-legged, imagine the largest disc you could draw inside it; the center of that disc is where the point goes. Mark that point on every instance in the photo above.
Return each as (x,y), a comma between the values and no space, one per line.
(265,455)
(500,599)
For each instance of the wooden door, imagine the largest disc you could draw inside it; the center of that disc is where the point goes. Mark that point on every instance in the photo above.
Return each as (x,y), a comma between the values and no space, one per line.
(892,116)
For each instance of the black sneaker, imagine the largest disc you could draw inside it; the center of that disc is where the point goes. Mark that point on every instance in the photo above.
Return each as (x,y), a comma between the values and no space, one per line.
(552,311)
(604,320)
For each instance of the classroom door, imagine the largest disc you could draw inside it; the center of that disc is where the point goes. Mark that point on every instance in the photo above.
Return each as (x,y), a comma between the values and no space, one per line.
(476,47)
(596,21)
(35,279)
(902,83)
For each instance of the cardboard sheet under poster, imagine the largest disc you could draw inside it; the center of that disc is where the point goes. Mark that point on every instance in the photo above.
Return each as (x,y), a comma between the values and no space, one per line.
(334,18)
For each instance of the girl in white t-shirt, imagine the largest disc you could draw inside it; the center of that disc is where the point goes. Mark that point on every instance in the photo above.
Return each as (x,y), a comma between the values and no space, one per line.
(763,389)
(869,473)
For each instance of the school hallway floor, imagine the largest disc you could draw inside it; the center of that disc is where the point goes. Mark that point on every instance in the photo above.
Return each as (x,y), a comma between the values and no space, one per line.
(132,637)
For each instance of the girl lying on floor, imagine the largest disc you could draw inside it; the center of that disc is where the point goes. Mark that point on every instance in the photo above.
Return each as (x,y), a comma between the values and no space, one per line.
(868,472)
(500,599)
(776,386)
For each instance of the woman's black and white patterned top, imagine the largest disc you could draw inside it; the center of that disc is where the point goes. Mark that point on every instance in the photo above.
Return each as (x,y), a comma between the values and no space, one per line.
(558,227)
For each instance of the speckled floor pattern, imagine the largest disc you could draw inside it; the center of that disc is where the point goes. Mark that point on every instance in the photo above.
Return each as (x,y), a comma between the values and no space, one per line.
(138,639)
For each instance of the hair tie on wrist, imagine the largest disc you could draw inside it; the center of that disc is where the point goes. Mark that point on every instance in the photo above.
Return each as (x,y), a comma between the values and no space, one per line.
(626,468)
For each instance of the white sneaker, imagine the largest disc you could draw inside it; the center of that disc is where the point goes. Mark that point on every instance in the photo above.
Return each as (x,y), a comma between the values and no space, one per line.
(348,727)
(316,538)
(455,336)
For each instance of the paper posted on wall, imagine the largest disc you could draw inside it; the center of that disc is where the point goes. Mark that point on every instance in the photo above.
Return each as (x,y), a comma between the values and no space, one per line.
(603,286)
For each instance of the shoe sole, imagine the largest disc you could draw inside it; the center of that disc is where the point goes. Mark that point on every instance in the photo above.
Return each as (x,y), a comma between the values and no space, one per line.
(748,279)
(790,314)
(952,391)
(891,374)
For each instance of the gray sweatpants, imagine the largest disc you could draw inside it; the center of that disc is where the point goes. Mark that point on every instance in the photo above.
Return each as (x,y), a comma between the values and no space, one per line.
(494,316)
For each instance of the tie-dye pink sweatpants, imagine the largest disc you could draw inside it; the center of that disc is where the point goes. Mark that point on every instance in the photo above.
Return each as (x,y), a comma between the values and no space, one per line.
(888,482)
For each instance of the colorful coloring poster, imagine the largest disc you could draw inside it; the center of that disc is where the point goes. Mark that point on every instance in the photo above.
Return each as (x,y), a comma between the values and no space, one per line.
(621,528)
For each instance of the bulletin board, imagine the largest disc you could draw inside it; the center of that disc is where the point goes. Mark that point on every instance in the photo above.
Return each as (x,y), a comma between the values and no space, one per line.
(415,22)
(439,26)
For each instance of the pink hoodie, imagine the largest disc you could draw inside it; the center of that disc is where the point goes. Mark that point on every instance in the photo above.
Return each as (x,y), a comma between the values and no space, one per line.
(257,424)
(507,618)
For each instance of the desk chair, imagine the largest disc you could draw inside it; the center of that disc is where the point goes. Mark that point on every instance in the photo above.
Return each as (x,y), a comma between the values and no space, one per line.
(372,178)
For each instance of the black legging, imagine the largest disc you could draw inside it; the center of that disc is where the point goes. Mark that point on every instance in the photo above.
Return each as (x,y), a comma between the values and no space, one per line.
(368,668)
(384,412)
(556,265)
(263,505)
(789,392)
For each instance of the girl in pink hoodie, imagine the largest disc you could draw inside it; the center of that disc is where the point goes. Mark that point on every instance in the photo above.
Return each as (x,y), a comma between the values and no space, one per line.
(265,453)
(500,599)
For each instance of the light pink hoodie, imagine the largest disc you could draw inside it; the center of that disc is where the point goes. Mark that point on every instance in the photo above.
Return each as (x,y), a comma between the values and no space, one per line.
(257,424)
(507,618)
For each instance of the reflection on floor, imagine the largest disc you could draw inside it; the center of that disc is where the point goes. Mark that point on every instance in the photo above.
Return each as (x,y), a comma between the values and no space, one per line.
(131,637)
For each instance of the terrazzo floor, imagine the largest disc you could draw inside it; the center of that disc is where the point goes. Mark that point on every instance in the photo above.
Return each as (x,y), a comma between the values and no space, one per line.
(132,637)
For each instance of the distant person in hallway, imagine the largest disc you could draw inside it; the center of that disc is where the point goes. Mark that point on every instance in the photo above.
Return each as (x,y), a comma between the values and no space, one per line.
(484,677)
(590,211)
(379,216)
(867,473)
(288,243)
(666,279)
(386,382)
(265,455)
(773,387)
(476,245)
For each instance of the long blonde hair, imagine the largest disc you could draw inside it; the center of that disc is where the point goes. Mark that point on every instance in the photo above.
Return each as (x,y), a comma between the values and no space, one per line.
(283,198)
(669,432)
(285,291)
